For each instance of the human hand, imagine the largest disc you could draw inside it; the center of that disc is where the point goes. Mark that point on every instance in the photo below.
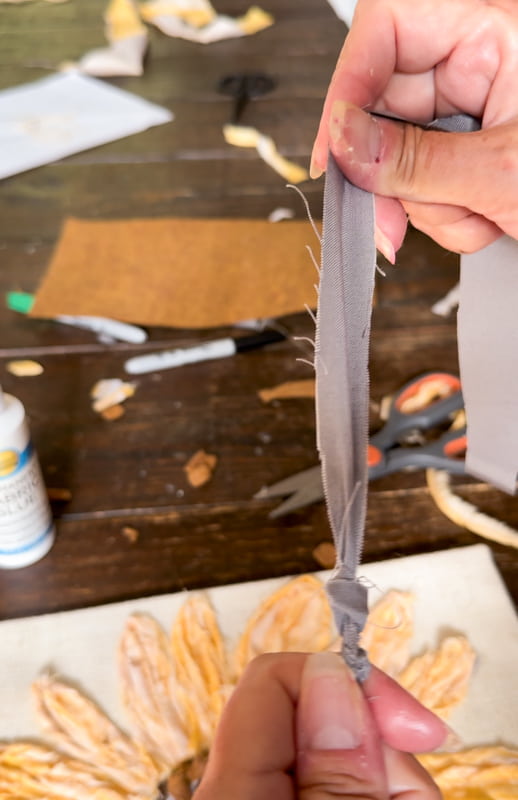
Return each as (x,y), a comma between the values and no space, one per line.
(299,727)
(422,60)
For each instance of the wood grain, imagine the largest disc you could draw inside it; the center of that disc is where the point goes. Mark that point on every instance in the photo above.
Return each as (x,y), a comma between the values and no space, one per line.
(130,472)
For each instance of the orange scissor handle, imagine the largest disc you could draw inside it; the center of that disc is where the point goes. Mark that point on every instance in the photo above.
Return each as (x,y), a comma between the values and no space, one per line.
(425,391)
(374,456)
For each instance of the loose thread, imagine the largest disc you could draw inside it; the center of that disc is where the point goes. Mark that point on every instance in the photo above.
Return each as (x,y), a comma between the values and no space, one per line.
(308,210)
(313,259)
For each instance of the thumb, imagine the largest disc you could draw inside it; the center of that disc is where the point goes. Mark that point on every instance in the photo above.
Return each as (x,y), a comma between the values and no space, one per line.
(426,166)
(339,753)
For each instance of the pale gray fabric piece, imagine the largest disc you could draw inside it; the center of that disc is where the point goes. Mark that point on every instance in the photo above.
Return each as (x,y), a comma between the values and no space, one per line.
(342,394)
(488,352)
(487,326)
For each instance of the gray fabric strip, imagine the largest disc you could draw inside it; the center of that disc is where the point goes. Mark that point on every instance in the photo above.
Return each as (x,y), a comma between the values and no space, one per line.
(488,352)
(487,329)
(342,393)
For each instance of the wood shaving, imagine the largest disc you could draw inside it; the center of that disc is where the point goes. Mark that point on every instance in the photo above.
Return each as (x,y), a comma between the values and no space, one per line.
(201,666)
(295,618)
(439,679)
(77,727)
(243,136)
(130,533)
(154,701)
(389,630)
(24,368)
(325,555)
(288,389)
(481,773)
(199,468)
(465,514)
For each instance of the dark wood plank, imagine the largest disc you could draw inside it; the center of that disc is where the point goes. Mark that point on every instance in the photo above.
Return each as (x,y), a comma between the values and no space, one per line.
(130,472)
(187,548)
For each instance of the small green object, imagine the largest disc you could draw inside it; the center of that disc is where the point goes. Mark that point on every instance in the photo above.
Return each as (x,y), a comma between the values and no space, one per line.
(19,301)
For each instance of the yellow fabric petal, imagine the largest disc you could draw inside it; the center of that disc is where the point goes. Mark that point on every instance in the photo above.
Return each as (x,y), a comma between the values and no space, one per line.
(297,617)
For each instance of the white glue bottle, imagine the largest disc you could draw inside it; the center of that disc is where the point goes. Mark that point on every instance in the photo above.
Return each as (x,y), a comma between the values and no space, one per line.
(26,525)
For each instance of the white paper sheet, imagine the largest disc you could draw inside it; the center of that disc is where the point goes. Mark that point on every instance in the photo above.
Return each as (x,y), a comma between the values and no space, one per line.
(456,591)
(46,120)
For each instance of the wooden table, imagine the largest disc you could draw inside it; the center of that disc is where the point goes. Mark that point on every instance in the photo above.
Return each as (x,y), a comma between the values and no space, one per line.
(130,472)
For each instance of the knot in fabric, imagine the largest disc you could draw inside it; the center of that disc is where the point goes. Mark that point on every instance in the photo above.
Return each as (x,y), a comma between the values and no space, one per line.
(348,600)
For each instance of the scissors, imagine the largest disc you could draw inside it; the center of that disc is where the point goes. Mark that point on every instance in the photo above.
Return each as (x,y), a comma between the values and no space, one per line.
(420,406)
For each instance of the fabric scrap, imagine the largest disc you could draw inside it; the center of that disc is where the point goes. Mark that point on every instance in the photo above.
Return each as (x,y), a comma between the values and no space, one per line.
(465,514)
(200,467)
(186,273)
(488,357)
(198,22)
(246,136)
(65,114)
(288,390)
(110,392)
(128,41)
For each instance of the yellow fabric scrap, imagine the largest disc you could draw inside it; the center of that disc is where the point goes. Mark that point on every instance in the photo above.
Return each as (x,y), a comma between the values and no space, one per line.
(153,698)
(244,136)
(295,618)
(254,20)
(440,679)
(196,12)
(197,21)
(481,773)
(465,514)
(122,20)
(78,728)
(37,772)
(201,666)
(389,630)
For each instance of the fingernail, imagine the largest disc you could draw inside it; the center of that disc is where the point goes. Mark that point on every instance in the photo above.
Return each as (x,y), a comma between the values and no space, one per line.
(330,714)
(384,245)
(315,168)
(354,134)
(452,742)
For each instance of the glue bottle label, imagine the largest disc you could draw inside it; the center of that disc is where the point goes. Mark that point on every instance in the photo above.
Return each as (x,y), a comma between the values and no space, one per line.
(26,527)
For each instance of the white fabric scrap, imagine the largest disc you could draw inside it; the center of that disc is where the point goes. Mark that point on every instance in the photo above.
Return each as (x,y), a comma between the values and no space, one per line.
(109,392)
(122,57)
(128,40)
(448,303)
(344,9)
(49,119)
(172,21)
(278,214)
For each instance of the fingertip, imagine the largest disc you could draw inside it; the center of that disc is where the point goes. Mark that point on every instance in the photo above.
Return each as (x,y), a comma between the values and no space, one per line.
(403,722)
(384,245)
(318,160)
